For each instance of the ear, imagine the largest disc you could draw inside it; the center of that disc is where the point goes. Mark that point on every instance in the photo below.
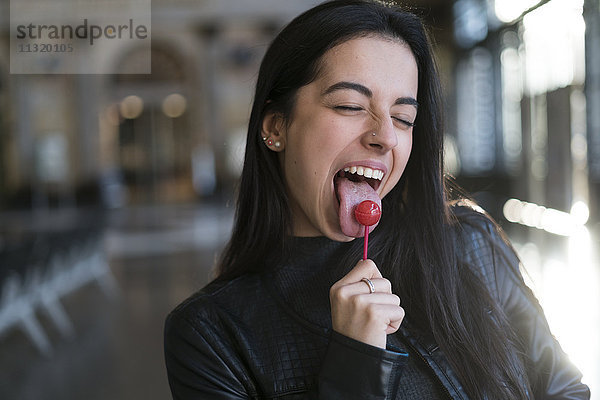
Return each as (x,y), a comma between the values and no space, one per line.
(273,131)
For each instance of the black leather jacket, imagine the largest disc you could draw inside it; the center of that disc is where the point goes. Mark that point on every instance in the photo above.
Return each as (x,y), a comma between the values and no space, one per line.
(238,340)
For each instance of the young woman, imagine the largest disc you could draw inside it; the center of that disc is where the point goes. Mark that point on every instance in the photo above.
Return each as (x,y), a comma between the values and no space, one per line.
(347,108)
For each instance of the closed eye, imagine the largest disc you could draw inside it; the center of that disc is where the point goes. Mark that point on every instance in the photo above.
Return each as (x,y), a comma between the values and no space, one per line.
(348,108)
(405,122)
(353,109)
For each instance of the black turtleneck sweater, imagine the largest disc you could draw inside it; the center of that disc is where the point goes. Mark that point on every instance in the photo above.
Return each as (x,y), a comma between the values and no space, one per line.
(302,282)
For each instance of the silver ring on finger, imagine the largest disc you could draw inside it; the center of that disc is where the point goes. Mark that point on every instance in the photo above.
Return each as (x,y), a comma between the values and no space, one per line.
(370,284)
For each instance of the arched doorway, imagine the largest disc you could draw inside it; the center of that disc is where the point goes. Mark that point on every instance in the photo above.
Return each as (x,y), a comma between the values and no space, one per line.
(154,138)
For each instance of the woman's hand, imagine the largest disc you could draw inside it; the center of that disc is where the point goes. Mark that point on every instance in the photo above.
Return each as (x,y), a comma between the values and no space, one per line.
(362,315)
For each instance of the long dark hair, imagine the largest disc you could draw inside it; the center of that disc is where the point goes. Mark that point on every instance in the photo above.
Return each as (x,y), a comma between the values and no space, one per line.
(413,244)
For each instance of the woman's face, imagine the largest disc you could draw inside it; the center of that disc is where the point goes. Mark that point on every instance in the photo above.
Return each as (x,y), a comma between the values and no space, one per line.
(365,86)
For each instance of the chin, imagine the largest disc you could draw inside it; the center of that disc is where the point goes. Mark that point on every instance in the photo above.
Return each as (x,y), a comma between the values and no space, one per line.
(339,236)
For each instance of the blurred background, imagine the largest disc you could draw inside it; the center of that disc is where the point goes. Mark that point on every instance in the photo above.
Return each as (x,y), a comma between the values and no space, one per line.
(116,191)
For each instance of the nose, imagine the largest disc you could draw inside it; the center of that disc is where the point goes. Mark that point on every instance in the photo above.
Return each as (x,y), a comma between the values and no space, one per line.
(382,137)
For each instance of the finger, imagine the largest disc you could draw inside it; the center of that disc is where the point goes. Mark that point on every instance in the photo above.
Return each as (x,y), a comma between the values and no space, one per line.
(392,329)
(363,269)
(393,314)
(381,285)
(394,325)
(384,315)
(378,298)
(341,292)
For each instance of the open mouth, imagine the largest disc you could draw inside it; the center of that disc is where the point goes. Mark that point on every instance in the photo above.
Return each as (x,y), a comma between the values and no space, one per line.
(362,174)
(354,184)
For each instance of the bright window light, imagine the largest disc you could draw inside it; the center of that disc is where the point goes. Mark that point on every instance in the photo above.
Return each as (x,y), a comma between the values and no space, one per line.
(554,38)
(547,219)
(581,212)
(509,10)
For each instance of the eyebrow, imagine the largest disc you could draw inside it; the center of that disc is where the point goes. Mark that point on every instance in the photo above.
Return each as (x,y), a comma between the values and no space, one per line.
(344,85)
(407,100)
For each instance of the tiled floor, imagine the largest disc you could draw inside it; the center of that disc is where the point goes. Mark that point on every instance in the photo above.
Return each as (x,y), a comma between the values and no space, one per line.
(158,260)
(160,255)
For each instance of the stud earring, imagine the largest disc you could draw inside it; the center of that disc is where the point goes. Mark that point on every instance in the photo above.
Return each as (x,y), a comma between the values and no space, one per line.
(374,133)
(270,142)
(278,144)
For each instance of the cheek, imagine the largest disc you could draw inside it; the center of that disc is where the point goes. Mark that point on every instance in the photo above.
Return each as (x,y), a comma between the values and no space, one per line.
(303,163)
(313,145)
(321,137)
(404,147)
(401,156)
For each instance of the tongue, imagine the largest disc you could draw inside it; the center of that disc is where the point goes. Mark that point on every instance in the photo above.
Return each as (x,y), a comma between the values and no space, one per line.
(351,194)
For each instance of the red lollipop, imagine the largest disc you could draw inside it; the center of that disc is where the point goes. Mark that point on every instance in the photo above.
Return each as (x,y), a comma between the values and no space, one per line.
(367,213)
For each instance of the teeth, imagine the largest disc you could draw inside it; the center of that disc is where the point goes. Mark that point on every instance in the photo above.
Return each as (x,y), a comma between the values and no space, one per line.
(365,171)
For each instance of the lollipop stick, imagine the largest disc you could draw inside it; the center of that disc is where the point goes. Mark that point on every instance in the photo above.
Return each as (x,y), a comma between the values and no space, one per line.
(366,243)
(367,213)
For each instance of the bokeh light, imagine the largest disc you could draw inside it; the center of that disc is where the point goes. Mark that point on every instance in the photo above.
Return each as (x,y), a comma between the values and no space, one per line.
(131,107)
(174,105)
